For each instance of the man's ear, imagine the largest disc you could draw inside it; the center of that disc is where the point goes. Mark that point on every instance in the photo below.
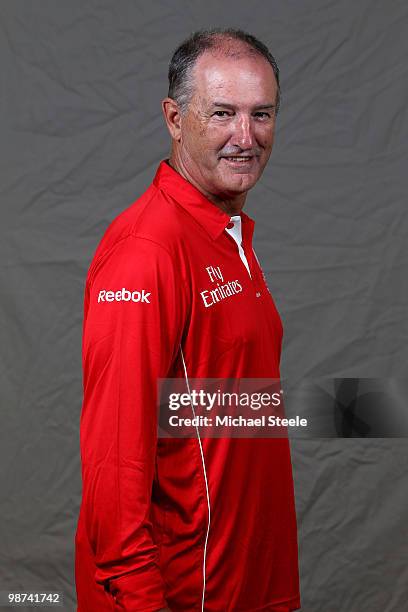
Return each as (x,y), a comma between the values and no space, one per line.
(172,117)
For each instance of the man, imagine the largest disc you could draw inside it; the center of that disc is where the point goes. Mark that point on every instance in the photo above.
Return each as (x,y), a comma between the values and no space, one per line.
(194,523)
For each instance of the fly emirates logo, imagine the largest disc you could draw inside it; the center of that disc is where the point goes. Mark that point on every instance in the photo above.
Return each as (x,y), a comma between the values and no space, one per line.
(220,289)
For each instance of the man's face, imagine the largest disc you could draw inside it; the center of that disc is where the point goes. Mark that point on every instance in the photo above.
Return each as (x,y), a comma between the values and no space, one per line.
(227,133)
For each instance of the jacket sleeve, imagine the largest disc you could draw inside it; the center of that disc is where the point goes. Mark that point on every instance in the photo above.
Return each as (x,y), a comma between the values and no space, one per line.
(134,313)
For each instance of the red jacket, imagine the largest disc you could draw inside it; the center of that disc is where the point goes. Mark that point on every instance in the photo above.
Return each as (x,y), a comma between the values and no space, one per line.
(193,524)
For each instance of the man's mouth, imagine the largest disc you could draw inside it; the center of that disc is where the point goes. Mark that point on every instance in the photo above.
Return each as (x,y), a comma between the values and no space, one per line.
(238,159)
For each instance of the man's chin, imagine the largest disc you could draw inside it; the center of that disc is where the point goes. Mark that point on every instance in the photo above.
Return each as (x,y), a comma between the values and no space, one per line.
(238,184)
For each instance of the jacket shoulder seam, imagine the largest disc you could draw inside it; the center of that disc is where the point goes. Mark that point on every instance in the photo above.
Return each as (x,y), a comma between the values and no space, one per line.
(118,241)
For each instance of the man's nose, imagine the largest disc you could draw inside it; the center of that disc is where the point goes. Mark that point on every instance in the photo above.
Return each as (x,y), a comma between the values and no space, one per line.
(243,135)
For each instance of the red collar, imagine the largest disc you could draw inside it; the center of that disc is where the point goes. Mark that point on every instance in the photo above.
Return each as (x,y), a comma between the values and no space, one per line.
(207,214)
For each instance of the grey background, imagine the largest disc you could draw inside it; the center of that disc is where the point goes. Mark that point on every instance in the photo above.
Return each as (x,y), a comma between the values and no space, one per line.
(81,137)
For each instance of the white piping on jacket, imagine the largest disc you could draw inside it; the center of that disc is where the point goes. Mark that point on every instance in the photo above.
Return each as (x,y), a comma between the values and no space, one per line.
(256,257)
(206,483)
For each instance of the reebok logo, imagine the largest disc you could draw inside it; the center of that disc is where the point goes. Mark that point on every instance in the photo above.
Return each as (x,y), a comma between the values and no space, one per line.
(124,295)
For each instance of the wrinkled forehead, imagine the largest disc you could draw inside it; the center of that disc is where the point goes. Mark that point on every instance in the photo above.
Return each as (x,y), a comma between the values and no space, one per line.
(237,75)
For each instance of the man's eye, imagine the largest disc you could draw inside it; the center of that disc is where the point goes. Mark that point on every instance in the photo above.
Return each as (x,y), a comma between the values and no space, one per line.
(263,114)
(220,113)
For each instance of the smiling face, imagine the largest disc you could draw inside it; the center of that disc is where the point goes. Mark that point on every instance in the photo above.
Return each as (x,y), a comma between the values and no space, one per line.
(223,141)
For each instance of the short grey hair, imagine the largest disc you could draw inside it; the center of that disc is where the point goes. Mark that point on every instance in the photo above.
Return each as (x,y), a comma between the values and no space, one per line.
(181,86)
